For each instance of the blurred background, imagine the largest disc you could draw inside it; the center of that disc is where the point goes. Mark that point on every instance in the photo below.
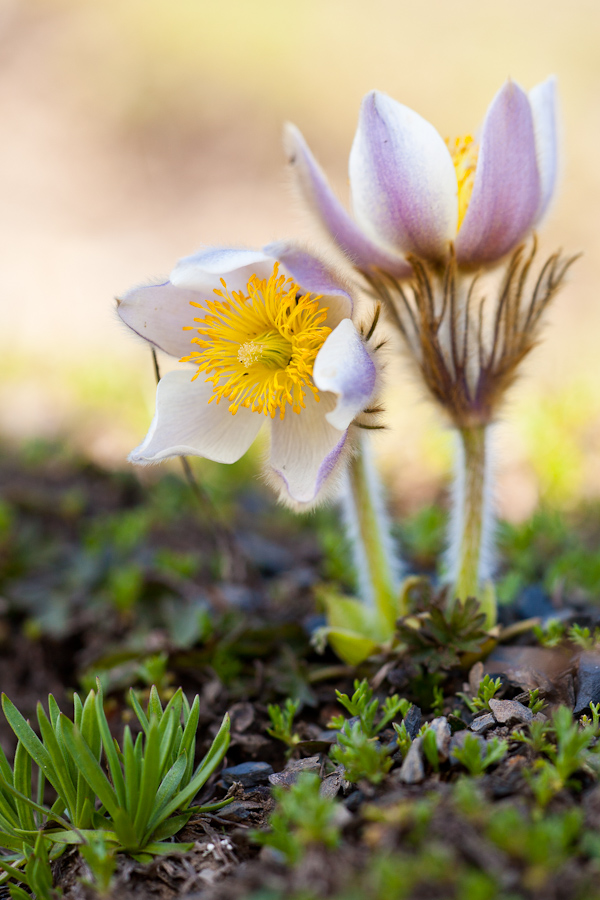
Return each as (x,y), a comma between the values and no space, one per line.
(134,131)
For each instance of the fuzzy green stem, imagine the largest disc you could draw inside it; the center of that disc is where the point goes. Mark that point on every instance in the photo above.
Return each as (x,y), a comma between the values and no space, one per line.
(368,529)
(471,516)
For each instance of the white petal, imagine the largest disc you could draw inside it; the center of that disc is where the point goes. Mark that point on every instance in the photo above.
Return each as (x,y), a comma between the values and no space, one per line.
(344,367)
(506,190)
(543,105)
(202,271)
(404,188)
(350,238)
(158,313)
(186,424)
(305,448)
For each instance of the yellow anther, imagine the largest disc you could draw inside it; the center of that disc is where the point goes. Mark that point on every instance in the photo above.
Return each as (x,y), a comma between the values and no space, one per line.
(259,347)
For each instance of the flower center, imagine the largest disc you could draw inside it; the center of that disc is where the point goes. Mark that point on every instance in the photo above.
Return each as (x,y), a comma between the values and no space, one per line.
(258,347)
(464,152)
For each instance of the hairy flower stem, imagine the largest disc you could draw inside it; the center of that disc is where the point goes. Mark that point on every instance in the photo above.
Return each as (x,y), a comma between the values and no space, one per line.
(472,518)
(368,529)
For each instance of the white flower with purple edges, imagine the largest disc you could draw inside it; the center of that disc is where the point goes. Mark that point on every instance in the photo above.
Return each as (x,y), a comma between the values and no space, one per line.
(415,194)
(274,342)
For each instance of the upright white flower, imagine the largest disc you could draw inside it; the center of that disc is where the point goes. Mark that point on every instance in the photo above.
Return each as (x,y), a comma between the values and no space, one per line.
(271,339)
(414,193)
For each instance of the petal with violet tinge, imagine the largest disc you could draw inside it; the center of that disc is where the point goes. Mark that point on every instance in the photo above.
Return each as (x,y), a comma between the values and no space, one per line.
(344,367)
(158,313)
(186,424)
(202,271)
(305,448)
(506,191)
(403,183)
(314,277)
(315,188)
(543,104)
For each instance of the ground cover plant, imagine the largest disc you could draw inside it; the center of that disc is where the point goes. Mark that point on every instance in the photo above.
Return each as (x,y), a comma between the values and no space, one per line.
(418,773)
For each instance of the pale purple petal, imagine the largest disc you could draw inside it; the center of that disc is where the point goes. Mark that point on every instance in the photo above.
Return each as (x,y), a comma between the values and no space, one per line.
(158,313)
(314,277)
(186,424)
(305,449)
(202,271)
(364,253)
(543,105)
(404,189)
(506,191)
(344,367)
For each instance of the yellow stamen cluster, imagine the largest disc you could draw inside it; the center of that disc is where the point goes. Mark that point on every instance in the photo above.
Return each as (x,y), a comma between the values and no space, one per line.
(259,347)
(464,152)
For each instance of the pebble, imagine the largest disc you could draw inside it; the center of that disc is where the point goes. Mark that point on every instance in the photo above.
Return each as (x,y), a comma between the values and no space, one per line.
(510,712)
(412,721)
(588,690)
(412,770)
(289,775)
(248,774)
(443,736)
(482,723)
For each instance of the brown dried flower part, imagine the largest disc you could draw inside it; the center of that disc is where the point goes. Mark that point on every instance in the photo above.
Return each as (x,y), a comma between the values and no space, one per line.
(468,348)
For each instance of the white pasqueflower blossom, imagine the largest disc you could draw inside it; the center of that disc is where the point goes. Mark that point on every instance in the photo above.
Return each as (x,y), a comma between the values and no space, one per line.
(271,339)
(415,194)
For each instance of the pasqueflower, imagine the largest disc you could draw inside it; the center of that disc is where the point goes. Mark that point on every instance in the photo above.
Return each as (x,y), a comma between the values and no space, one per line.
(415,194)
(271,339)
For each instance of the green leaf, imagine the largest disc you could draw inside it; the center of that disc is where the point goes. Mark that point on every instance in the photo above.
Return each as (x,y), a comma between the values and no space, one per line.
(154,705)
(167,789)
(88,765)
(111,752)
(132,772)
(150,779)
(22,782)
(64,772)
(30,741)
(54,709)
(188,741)
(142,718)
(208,765)
(171,826)
(17,893)
(125,830)
(167,737)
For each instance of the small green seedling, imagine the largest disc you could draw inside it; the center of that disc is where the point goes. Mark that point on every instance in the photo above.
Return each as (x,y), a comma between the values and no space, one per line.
(362,705)
(551,634)
(477,759)
(361,756)
(302,818)
(429,746)
(535,704)
(594,722)
(583,637)
(487,690)
(282,720)
(102,862)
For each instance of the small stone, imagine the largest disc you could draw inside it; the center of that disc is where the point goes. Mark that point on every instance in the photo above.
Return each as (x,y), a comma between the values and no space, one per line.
(248,774)
(412,721)
(412,770)
(442,736)
(482,723)
(475,677)
(588,690)
(289,775)
(242,716)
(510,712)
